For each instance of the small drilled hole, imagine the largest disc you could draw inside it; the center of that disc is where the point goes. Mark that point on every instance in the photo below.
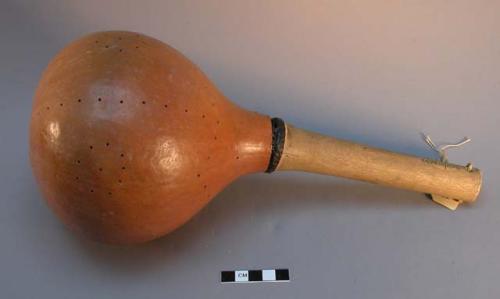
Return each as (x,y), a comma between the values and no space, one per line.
(121,102)
(143,102)
(203,116)
(91,147)
(237,157)
(215,137)
(109,193)
(48,108)
(99,99)
(166,106)
(107,143)
(122,155)
(137,47)
(123,168)
(77,178)
(91,190)
(208,158)
(100,169)
(61,104)
(198,175)
(120,181)
(204,186)
(218,122)
(106,46)
(78,161)
(121,50)
(79,100)
(185,110)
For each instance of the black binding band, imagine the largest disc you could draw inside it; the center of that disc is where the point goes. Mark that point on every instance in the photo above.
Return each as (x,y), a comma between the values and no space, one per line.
(279,132)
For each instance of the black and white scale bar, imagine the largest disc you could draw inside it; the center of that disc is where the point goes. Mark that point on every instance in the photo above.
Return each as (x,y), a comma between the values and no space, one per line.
(271,275)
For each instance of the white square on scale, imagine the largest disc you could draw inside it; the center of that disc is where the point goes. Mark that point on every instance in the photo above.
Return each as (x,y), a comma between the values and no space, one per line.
(268,275)
(240,276)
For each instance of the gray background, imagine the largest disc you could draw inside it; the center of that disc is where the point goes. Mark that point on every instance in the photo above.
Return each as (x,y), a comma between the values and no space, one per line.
(376,72)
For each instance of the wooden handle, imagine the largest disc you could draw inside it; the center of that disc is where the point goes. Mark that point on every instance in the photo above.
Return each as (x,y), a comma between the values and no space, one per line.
(312,152)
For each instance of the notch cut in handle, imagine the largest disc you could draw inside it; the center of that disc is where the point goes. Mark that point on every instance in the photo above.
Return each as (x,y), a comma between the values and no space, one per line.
(312,152)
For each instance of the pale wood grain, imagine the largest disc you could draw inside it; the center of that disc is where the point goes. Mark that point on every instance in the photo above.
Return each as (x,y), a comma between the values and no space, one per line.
(313,152)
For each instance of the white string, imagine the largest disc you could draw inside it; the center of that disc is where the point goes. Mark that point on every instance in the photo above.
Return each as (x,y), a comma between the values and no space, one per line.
(441,150)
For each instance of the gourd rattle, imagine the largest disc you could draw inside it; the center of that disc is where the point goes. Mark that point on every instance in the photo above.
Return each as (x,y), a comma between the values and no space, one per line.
(129,139)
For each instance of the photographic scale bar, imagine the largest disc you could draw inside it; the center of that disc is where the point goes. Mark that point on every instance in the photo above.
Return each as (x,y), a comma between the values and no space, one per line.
(249,276)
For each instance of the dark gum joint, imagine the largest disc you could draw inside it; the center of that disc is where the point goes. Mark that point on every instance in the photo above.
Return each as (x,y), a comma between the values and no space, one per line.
(279,132)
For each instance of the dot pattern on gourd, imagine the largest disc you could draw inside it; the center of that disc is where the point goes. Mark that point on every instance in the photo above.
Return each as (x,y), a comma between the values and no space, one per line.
(129,139)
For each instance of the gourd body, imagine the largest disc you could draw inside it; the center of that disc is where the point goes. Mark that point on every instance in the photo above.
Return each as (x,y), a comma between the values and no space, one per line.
(129,139)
